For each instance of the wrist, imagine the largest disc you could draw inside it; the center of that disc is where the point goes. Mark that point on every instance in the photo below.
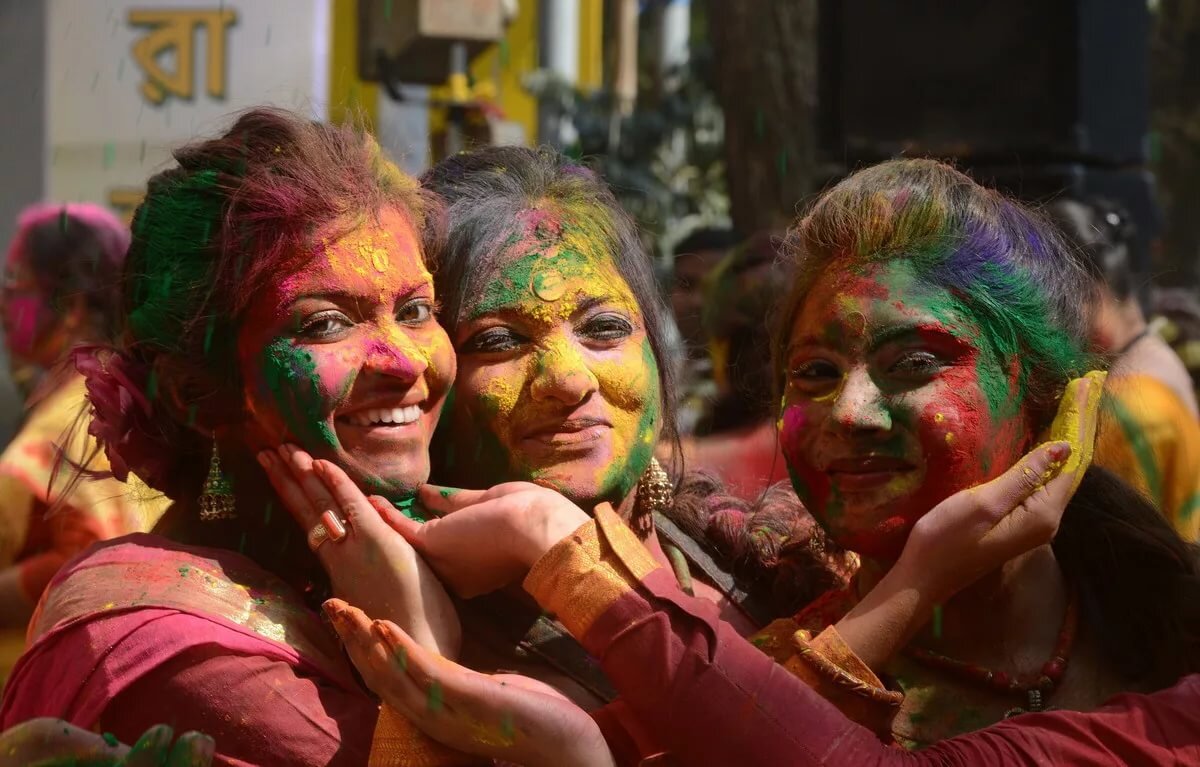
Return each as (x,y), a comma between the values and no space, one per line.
(553,525)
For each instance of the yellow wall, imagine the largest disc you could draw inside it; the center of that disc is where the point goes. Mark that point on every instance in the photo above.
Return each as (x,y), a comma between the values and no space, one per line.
(348,96)
(591,44)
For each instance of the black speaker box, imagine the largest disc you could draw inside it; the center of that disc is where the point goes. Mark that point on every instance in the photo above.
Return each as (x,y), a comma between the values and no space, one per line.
(998,81)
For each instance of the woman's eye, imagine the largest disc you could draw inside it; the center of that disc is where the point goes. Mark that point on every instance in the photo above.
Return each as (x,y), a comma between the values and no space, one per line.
(492,340)
(815,371)
(607,327)
(416,312)
(917,364)
(324,326)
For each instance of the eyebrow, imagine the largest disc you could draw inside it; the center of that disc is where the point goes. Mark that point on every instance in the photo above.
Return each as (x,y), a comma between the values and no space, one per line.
(513,310)
(881,337)
(345,296)
(896,332)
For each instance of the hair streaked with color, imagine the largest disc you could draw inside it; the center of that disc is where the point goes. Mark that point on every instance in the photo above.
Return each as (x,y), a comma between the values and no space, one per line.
(1005,264)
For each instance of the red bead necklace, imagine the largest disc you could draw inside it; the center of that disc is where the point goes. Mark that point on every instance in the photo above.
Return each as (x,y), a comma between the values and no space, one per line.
(1037,687)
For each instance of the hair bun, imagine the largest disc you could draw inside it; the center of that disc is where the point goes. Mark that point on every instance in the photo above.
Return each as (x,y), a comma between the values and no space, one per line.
(122,414)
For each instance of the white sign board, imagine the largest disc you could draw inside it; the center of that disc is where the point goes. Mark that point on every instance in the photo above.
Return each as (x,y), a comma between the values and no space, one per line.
(129,80)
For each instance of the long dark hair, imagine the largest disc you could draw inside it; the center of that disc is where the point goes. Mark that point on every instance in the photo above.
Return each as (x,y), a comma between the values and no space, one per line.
(1139,582)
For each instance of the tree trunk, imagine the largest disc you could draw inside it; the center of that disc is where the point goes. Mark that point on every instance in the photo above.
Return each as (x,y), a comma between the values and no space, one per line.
(1175,117)
(766,81)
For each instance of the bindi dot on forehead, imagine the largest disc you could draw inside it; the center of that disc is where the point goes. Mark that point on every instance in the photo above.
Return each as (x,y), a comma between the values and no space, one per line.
(548,284)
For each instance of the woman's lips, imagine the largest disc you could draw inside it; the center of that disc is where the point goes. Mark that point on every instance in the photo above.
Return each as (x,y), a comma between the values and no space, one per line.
(866,473)
(570,433)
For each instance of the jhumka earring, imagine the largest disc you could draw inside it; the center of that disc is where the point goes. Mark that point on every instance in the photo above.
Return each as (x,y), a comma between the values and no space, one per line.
(216,499)
(654,494)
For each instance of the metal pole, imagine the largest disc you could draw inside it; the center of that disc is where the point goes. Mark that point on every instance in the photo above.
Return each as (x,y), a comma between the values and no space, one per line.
(558,43)
(456,112)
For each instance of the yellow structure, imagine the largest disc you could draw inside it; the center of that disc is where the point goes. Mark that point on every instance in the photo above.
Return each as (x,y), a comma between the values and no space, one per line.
(497,72)
(349,97)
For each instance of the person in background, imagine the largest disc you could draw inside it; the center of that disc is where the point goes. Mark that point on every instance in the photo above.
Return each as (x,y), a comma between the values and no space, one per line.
(1175,316)
(694,258)
(58,291)
(736,439)
(1151,436)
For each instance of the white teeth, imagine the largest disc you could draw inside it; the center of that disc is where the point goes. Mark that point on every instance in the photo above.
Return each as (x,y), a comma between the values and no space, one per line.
(398,416)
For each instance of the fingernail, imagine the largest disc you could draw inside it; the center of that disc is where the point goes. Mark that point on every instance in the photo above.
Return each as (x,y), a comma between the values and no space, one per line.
(155,740)
(1059,451)
(204,747)
(264,459)
(332,610)
(337,530)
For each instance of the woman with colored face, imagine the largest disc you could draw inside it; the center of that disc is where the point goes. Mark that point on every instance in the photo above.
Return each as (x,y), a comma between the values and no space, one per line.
(275,294)
(932,331)
(552,307)
(61,270)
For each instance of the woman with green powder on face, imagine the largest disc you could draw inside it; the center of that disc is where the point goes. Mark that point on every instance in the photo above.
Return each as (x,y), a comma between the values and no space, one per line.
(275,291)
(557,323)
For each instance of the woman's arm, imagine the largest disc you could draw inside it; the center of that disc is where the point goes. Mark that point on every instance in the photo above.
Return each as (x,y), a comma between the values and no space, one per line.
(714,700)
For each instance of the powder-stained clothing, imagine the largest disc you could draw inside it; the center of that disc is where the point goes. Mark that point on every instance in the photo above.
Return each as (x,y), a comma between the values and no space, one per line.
(96,509)
(141,630)
(1149,438)
(692,688)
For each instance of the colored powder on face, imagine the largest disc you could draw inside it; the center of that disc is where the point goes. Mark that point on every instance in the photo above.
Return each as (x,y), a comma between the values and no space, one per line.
(110,740)
(624,475)
(291,376)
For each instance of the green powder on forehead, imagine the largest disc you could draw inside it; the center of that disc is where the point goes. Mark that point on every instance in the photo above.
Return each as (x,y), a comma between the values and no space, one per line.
(291,376)
(528,273)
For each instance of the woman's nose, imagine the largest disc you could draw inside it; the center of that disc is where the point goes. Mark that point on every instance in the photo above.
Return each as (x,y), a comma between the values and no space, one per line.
(860,405)
(562,373)
(396,356)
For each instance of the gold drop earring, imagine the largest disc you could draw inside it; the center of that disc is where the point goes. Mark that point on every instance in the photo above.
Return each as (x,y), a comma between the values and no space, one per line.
(654,495)
(216,499)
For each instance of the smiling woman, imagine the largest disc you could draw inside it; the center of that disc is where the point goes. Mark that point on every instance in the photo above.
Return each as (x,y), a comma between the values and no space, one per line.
(929,333)
(364,305)
(275,291)
(550,301)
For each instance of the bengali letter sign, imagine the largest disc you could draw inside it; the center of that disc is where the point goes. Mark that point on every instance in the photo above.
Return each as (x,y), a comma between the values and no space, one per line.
(127,81)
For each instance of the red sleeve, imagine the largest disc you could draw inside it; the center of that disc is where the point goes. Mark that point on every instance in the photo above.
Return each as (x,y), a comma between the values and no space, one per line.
(259,711)
(714,699)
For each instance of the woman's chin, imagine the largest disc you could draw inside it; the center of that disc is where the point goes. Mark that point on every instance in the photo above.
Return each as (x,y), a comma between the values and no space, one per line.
(390,477)
(882,542)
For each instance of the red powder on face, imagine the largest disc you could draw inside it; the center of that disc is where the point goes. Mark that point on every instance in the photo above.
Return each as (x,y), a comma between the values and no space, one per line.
(880,426)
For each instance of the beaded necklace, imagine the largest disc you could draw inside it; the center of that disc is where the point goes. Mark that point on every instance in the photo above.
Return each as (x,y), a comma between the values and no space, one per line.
(1037,687)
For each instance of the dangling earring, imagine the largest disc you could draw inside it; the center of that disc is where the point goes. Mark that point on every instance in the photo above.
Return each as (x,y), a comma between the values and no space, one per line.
(216,499)
(654,495)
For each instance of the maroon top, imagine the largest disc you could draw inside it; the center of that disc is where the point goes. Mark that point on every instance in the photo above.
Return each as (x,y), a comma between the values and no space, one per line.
(697,689)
